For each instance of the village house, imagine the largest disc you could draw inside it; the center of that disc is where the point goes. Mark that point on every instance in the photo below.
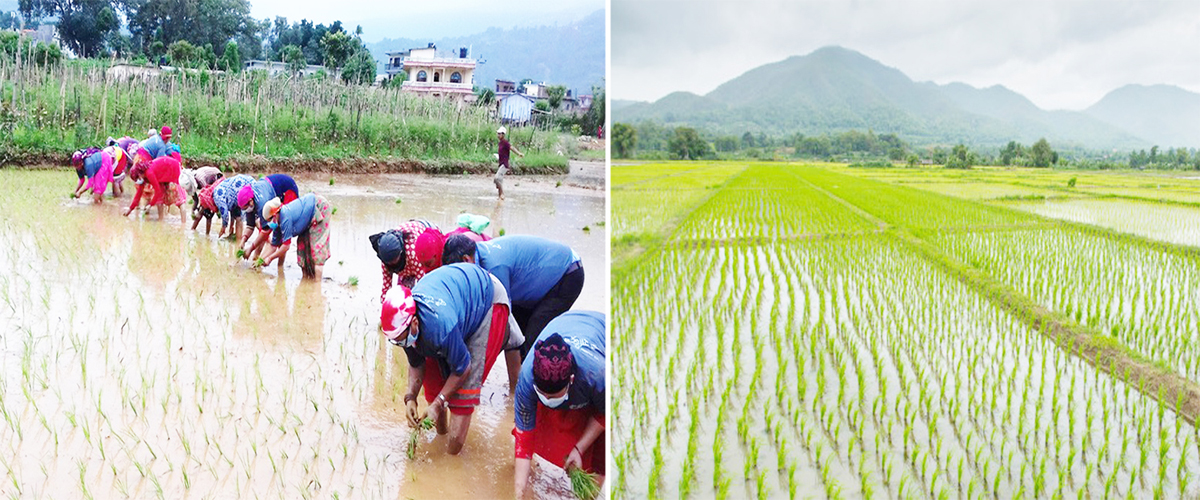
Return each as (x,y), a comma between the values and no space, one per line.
(449,76)
(275,68)
(520,107)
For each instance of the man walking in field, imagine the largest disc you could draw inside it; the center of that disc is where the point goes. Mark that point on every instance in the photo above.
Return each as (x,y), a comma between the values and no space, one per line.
(502,153)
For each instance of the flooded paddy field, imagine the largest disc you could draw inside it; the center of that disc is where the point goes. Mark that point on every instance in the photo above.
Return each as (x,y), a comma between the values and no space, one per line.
(770,352)
(140,359)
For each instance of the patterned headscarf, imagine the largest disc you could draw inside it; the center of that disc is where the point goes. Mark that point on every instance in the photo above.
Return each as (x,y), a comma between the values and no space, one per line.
(553,364)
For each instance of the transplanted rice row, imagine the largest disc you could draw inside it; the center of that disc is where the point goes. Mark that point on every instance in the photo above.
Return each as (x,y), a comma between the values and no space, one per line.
(852,367)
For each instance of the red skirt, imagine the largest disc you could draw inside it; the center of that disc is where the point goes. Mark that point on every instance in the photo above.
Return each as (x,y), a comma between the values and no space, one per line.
(466,398)
(556,433)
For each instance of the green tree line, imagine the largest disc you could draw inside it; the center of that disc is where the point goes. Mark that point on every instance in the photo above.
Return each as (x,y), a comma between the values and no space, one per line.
(206,34)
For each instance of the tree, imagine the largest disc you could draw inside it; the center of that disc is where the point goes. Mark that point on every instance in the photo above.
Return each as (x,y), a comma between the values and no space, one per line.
(687,145)
(747,140)
(555,94)
(294,58)
(726,144)
(624,138)
(184,54)
(360,69)
(231,58)
(1042,155)
(82,24)
(542,106)
(593,119)
(960,157)
(1011,152)
(398,79)
(338,47)
(484,96)
(199,22)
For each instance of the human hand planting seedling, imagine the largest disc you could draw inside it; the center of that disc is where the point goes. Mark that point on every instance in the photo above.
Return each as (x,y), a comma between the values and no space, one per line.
(415,435)
(584,484)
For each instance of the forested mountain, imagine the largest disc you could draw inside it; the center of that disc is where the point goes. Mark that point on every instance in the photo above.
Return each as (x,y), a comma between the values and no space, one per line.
(835,89)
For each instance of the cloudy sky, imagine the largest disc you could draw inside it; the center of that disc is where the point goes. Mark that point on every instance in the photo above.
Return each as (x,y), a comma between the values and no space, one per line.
(1059,54)
(430,19)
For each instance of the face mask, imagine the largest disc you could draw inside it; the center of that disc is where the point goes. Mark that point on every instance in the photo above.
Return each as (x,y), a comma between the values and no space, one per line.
(409,340)
(273,225)
(556,402)
(139,181)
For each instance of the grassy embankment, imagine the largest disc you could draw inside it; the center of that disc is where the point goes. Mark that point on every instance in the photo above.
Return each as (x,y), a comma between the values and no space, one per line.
(248,120)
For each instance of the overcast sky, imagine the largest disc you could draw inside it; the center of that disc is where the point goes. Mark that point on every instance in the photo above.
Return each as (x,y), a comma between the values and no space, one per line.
(1059,54)
(430,19)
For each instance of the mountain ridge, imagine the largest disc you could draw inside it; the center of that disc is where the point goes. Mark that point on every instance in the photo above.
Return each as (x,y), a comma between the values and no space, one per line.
(834,89)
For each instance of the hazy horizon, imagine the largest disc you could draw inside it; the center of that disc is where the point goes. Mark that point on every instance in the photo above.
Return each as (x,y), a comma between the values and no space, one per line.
(1059,54)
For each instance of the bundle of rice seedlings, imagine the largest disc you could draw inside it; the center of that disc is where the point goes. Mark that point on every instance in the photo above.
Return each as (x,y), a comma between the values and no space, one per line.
(426,424)
(584,484)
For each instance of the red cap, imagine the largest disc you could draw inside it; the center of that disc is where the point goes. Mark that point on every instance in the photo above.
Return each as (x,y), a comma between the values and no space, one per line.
(165,132)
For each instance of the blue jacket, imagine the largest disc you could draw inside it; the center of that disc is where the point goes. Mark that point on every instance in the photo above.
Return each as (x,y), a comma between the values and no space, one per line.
(155,146)
(452,301)
(294,218)
(528,266)
(583,331)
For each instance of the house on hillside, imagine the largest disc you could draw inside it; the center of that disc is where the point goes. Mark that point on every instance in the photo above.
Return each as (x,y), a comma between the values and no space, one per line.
(447,76)
(514,108)
(505,87)
(275,68)
(536,90)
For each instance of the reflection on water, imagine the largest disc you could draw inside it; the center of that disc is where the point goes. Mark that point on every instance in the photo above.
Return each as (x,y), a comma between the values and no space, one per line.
(1159,221)
(142,360)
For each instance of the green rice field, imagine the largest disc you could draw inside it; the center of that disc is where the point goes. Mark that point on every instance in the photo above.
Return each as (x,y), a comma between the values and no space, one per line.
(816,331)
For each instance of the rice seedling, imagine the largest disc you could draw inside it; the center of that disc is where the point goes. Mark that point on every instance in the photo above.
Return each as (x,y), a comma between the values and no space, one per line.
(584,485)
(892,376)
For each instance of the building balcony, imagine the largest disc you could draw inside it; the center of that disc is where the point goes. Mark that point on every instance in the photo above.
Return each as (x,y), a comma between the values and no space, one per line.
(415,86)
(440,62)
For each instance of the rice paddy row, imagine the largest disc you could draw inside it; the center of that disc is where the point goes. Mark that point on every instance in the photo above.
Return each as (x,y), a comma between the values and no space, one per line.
(759,364)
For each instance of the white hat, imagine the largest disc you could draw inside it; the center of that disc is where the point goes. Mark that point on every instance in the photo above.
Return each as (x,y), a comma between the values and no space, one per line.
(502,130)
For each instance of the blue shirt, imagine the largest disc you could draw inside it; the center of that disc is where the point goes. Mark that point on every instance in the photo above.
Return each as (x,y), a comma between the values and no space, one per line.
(452,301)
(225,196)
(528,266)
(263,192)
(92,164)
(294,218)
(583,331)
(155,146)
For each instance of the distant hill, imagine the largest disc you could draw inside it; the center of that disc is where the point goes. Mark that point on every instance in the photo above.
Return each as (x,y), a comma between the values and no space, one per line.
(1163,114)
(835,89)
(570,55)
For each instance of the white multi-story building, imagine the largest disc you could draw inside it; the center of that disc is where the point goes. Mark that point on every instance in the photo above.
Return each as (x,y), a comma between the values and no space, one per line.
(432,74)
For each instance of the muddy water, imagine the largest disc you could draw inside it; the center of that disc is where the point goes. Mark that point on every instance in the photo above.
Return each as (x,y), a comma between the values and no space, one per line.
(139,360)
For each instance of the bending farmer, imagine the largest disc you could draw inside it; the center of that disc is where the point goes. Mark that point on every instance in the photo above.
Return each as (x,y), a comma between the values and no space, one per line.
(559,401)
(543,277)
(452,326)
